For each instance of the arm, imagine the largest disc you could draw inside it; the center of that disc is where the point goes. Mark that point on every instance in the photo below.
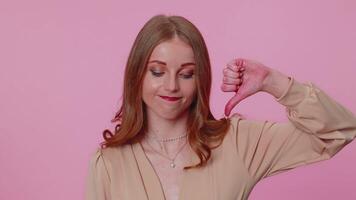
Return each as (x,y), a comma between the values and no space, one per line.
(276,83)
(318,128)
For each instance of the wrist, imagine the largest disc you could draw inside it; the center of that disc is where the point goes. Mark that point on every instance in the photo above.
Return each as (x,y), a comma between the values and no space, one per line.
(275,83)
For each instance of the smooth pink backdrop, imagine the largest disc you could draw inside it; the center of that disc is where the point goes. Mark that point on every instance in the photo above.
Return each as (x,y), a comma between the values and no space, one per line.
(61,76)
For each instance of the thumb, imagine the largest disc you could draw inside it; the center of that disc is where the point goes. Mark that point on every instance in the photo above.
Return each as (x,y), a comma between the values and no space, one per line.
(233,102)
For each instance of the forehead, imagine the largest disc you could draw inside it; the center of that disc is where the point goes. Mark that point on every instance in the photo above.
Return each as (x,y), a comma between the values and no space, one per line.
(174,50)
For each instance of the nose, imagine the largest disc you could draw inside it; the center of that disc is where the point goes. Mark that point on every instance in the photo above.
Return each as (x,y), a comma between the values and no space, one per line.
(171,83)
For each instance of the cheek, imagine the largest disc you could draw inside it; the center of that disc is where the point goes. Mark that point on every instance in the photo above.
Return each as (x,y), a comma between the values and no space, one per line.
(189,89)
(145,87)
(149,85)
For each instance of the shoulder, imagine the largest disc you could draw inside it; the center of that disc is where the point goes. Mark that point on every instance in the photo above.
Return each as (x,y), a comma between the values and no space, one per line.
(236,123)
(243,128)
(239,123)
(105,157)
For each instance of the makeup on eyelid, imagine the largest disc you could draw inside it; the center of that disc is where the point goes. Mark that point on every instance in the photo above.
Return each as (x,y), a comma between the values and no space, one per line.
(158,73)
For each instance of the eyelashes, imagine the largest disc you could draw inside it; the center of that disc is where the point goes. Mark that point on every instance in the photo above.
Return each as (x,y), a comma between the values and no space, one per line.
(159,74)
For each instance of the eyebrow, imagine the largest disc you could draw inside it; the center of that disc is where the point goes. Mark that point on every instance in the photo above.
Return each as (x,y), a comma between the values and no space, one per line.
(163,63)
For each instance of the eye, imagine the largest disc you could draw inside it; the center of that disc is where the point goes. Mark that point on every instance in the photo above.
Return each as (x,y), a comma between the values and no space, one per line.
(157,74)
(187,76)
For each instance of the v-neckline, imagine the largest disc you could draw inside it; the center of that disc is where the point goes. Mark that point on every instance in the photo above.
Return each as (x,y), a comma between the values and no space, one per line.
(150,178)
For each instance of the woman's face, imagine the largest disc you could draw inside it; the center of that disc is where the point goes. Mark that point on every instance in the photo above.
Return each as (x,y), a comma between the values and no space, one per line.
(169,82)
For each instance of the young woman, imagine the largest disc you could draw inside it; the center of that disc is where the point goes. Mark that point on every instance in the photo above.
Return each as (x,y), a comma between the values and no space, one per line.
(168,145)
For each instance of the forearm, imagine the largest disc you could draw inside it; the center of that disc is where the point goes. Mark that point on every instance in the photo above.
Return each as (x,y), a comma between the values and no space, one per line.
(275,83)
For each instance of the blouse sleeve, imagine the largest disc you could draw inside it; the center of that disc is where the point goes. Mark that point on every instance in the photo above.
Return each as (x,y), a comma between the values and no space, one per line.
(318,127)
(98,180)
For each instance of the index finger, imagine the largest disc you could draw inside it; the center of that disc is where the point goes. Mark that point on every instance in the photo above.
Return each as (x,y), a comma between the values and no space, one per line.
(232,67)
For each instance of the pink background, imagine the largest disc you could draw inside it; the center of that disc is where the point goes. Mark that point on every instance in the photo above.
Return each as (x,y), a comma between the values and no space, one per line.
(61,76)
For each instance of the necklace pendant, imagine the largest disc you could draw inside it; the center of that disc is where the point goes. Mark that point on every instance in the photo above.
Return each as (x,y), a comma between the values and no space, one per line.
(173,165)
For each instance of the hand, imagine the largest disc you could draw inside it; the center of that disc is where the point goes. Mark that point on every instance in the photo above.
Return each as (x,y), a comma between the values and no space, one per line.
(245,78)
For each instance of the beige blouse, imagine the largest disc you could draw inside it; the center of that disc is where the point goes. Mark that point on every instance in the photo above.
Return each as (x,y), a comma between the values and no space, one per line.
(317,129)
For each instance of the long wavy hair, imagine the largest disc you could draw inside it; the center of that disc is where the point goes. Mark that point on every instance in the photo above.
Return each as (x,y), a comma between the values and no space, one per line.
(204,131)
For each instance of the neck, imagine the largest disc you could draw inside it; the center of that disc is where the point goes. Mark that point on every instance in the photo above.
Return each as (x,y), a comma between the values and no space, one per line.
(162,128)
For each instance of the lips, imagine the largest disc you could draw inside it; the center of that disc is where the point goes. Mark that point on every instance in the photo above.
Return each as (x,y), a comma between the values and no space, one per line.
(170,98)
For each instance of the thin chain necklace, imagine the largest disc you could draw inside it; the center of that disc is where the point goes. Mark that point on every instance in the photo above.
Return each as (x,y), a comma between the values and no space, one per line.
(168,139)
(172,163)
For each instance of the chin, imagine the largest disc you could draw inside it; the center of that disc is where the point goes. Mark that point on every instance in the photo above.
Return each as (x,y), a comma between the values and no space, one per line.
(170,116)
(173,115)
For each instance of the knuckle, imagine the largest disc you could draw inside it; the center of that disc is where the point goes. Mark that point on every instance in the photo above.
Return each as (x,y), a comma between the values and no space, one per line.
(231,62)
